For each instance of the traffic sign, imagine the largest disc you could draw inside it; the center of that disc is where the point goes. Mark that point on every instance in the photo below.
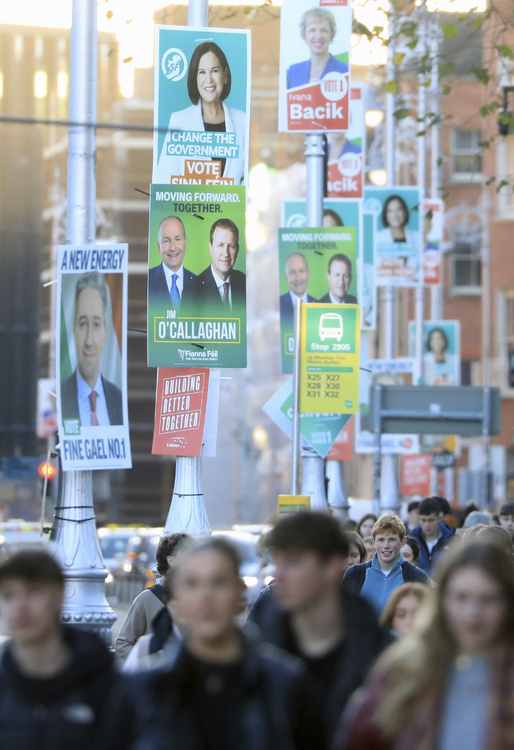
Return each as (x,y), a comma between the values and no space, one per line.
(330,357)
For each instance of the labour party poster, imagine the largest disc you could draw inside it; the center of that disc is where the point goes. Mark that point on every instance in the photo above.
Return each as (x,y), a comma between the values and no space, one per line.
(180,408)
(91,356)
(314,81)
(346,151)
(398,238)
(315,265)
(202,106)
(196,277)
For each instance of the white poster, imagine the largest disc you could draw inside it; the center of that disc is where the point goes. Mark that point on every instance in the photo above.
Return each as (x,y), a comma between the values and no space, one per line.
(314,83)
(91,356)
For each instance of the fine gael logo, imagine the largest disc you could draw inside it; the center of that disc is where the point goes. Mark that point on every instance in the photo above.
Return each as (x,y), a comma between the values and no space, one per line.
(174,64)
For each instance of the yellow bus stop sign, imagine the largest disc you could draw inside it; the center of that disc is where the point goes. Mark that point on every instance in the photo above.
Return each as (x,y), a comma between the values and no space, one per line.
(293,504)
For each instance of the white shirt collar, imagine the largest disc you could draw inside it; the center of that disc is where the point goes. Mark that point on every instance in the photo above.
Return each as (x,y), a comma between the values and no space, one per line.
(219,282)
(169,273)
(295,298)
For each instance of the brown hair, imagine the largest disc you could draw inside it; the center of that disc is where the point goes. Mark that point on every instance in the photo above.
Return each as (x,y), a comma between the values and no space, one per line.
(408,589)
(357,541)
(32,566)
(365,518)
(389,522)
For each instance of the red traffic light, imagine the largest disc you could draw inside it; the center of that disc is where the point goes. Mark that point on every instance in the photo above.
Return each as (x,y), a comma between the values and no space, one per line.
(47,470)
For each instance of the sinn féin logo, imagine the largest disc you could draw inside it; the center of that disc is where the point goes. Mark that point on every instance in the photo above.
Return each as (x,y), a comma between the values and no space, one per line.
(174,64)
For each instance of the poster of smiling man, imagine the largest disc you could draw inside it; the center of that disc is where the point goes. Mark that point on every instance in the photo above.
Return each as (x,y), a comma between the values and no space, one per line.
(314,81)
(202,106)
(91,356)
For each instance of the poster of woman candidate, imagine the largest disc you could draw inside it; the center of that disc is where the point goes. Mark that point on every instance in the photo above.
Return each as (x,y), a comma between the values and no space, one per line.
(197,276)
(202,106)
(346,150)
(398,237)
(91,357)
(315,265)
(314,81)
(441,351)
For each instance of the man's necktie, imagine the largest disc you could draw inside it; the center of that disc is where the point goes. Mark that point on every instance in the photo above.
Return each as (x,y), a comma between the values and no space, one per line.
(92,400)
(225,297)
(174,292)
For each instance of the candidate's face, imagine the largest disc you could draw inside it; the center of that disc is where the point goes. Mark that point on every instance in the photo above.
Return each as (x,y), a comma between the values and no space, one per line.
(30,609)
(437,342)
(395,214)
(90,332)
(223,249)
(210,78)
(339,279)
(172,244)
(297,274)
(318,36)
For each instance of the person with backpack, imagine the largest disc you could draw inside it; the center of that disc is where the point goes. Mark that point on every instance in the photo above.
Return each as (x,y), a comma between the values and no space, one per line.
(376,579)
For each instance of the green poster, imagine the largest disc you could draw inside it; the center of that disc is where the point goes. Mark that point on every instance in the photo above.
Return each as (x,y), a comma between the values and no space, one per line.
(315,265)
(196,277)
(330,359)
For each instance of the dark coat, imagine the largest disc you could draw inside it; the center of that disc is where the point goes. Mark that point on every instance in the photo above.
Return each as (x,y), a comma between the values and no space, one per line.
(274,707)
(287,308)
(82,708)
(355,576)
(349,299)
(427,558)
(70,400)
(202,293)
(158,292)
(364,641)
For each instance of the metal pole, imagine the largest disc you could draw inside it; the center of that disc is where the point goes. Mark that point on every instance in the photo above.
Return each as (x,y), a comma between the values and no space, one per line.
(436,290)
(337,495)
(74,541)
(486,333)
(419,292)
(295,464)
(187,511)
(313,483)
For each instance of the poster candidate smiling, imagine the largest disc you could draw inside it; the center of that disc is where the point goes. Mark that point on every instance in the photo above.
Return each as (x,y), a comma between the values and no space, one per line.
(202,113)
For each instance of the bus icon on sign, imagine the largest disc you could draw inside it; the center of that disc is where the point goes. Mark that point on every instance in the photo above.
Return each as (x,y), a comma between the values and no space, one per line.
(331,326)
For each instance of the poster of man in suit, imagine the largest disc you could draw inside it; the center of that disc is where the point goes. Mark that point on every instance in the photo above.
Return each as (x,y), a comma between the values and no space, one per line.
(91,353)
(197,276)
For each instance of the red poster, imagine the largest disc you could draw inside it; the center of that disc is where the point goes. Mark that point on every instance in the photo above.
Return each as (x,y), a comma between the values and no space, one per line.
(180,405)
(342,447)
(415,475)
(319,106)
(345,150)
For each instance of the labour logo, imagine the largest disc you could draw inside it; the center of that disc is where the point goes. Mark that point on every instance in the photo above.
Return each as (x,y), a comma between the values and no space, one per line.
(174,64)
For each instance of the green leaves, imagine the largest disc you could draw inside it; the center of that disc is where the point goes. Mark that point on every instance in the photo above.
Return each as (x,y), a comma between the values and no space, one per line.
(481,73)
(487,109)
(391,87)
(449,30)
(446,67)
(501,184)
(505,51)
(398,58)
(128,59)
(109,15)
(401,114)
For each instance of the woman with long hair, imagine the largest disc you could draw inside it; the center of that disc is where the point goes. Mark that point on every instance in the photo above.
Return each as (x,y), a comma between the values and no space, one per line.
(449,685)
(402,607)
(365,525)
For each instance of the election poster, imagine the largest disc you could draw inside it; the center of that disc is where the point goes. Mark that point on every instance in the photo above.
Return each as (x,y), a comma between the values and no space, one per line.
(441,351)
(314,77)
(202,106)
(46,421)
(342,447)
(91,356)
(196,277)
(180,407)
(388,372)
(433,218)
(416,474)
(319,431)
(329,359)
(398,236)
(368,291)
(346,150)
(315,265)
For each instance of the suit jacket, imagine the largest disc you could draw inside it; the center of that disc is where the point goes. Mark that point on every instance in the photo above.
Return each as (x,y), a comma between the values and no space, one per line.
(158,291)
(70,400)
(287,309)
(202,292)
(348,299)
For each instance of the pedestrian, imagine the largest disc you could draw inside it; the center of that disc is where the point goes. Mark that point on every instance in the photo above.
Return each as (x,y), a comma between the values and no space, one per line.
(370,550)
(58,686)
(507,517)
(377,579)
(450,685)
(150,603)
(365,525)
(497,535)
(477,517)
(357,550)
(412,515)
(402,607)
(432,534)
(307,612)
(218,690)
(411,550)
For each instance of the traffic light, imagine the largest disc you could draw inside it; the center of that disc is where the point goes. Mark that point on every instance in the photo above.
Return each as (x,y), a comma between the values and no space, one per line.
(46,470)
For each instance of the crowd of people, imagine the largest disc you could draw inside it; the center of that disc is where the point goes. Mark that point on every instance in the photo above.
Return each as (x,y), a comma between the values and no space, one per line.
(386,635)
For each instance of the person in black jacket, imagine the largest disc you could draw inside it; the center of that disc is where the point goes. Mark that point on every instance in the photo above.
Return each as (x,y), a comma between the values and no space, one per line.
(217,690)
(306,612)
(376,579)
(58,686)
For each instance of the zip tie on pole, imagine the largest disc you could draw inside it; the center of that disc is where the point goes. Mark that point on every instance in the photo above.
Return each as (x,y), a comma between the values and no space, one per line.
(74,520)
(192,494)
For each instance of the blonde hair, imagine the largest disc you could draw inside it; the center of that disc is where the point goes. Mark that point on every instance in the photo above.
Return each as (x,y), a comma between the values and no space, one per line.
(389,522)
(418,590)
(417,667)
(314,13)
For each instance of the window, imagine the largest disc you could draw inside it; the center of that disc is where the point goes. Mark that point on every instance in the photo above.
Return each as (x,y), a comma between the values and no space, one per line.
(466,259)
(505,340)
(466,156)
